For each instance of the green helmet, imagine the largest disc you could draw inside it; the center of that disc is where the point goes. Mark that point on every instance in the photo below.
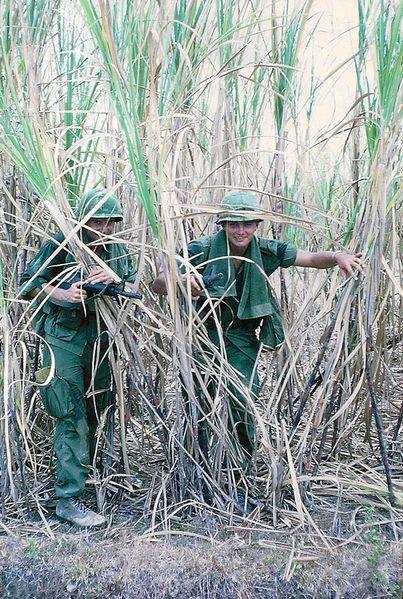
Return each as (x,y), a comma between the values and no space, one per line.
(105,208)
(235,204)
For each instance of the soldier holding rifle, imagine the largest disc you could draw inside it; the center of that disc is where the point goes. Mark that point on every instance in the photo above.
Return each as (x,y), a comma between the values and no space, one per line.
(78,342)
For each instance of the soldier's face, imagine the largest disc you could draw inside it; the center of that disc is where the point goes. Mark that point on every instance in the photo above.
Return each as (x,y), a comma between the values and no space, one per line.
(98,228)
(240,234)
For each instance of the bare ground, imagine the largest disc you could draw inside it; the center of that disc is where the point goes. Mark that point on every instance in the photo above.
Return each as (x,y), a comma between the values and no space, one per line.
(223,557)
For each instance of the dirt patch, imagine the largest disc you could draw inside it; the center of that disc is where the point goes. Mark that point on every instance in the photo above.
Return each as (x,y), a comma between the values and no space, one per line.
(128,560)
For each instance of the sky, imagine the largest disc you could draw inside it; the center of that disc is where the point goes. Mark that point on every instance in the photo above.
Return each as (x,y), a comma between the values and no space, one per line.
(335,41)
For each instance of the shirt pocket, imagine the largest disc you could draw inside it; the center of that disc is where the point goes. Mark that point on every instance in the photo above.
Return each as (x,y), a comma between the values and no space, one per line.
(64,323)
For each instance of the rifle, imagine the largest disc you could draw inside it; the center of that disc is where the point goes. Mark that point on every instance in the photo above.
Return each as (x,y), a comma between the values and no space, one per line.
(208,280)
(114,290)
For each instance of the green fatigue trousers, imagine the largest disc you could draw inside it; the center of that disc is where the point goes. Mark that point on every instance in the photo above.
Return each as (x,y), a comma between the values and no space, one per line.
(76,401)
(242,347)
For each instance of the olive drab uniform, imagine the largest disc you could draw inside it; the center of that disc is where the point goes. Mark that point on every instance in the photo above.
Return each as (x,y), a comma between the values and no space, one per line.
(78,342)
(246,304)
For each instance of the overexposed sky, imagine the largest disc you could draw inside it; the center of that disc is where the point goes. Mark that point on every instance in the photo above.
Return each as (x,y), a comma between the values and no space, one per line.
(335,40)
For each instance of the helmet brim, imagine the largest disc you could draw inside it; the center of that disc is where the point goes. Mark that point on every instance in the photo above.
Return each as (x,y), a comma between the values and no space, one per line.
(226,217)
(108,216)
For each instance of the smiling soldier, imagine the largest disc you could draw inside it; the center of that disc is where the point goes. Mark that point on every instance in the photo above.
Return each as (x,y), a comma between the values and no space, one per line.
(246,304)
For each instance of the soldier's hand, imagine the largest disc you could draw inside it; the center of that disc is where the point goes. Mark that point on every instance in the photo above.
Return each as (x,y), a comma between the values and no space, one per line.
(195,288)
(74,294)
(99,275)
(350,264)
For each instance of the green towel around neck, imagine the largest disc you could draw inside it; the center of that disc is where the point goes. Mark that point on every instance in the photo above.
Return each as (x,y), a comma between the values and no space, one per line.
(256,299)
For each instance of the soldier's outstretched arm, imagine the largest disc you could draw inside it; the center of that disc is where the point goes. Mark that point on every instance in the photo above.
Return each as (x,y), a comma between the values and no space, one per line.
(349,264)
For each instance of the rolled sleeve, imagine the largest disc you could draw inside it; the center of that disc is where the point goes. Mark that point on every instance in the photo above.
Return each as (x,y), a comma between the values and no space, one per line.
(36,274)
(290,255)
(29,282)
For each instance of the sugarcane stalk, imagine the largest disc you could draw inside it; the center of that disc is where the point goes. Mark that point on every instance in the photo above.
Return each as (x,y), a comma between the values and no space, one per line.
(182,477)
(17,432)
(195,422)
(378,422)
(314,373)
(148,392)
(329,412)
(203,440)
(4,476)
(199,433)
(398,424)
(316,422)
(336,431)
(109,436)
(195,426)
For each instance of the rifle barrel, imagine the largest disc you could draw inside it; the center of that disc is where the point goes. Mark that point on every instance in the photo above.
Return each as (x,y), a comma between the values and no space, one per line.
(111,289)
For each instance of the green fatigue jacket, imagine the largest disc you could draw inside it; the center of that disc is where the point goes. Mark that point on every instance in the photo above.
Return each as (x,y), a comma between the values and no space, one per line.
(69,327)
(246,303)
(247,298)
(70,334)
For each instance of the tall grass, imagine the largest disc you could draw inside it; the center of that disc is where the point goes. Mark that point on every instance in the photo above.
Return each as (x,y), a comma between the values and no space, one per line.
(171,105)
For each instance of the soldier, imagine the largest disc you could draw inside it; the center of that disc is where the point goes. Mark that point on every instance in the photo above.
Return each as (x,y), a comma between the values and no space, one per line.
(81,386)
(246,302)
